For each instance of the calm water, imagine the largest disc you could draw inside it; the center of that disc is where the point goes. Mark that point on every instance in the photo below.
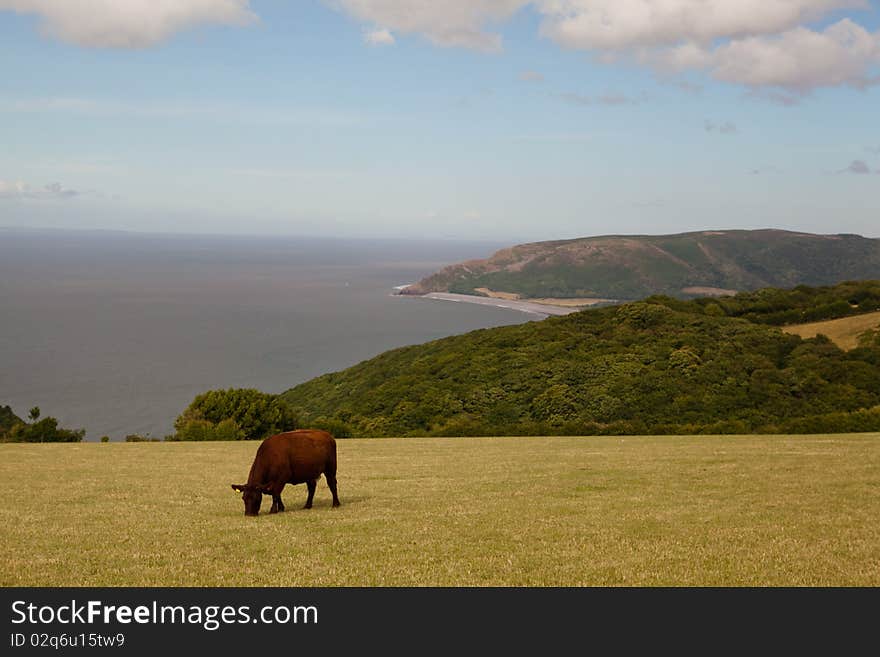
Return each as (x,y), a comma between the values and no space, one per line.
(116,333)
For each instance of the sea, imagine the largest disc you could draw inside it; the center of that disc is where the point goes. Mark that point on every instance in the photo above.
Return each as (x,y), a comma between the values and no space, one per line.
(117,332)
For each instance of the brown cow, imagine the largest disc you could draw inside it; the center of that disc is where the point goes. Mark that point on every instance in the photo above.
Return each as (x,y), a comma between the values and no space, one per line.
(294,457)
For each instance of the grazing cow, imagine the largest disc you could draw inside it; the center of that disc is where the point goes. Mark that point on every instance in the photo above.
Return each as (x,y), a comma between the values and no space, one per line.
(293,457)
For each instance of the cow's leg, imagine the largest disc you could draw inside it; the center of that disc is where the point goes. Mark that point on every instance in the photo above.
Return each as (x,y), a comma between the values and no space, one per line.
(331,483)
(277,504)
(312,484)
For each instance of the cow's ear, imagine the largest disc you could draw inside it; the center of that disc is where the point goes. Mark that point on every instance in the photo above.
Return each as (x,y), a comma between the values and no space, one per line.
(238,487)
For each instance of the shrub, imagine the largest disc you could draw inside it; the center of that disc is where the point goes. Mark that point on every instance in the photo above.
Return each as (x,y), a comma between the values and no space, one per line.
(44,431)
(203,430)
(234,414)
(336,427)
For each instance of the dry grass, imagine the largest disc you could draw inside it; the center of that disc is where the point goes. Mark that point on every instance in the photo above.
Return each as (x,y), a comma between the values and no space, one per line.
(750,510)
(508,296)
(843,332)
(571,303)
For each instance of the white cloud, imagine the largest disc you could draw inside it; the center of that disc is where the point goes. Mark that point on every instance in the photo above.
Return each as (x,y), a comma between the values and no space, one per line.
(450,23)
(623,25)
(770,46)
(381,37)
(757,43)
(800,60)
(128,23)
(762,44)
(20,190)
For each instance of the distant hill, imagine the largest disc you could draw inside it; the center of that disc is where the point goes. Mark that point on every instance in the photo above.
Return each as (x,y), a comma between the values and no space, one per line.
(662,365)
(686,266)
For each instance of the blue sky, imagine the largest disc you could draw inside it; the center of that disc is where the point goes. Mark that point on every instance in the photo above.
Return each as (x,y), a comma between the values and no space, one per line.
(501,119)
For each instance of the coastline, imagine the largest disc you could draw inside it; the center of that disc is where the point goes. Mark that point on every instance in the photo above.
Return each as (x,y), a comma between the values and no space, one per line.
(541,311)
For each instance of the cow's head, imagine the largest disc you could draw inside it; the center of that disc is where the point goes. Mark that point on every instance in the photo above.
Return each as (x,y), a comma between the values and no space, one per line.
(252,496)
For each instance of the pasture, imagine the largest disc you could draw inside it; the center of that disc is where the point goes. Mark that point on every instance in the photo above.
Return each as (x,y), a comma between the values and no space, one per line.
(568,511)
(843,332)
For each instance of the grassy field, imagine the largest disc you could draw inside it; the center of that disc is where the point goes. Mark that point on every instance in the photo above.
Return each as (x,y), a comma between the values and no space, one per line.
(749,510)
(843,332)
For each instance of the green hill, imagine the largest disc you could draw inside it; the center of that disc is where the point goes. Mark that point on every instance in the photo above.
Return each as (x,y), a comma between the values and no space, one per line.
(658,366)
(686,265)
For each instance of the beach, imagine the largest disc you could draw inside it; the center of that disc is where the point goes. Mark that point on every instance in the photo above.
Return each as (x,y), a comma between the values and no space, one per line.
(540,310)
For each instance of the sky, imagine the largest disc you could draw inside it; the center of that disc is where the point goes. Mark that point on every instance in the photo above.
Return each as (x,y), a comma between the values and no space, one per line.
(509,120)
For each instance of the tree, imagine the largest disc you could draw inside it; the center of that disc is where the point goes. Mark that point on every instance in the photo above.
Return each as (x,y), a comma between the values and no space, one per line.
(8,420)
(15,430)
(234,414)
(45,431)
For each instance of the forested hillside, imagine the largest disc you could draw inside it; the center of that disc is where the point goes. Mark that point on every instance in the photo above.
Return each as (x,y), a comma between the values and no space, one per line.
(661,365)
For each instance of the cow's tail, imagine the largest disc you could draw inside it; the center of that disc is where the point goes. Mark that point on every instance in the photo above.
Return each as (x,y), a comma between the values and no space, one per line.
(332,463)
